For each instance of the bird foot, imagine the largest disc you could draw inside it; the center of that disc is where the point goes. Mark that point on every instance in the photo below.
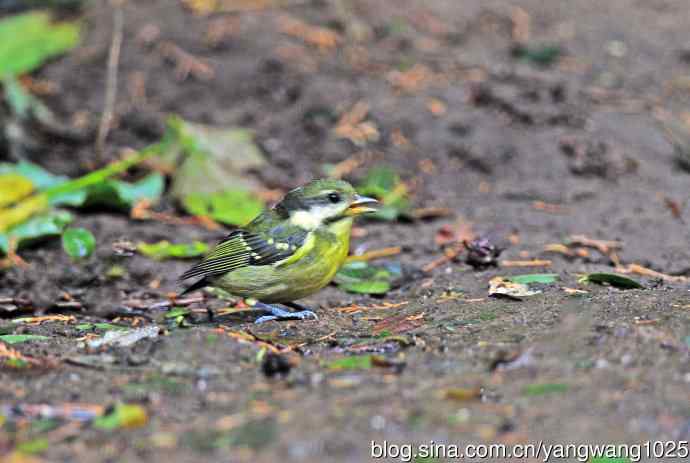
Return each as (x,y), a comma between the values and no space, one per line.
(276,313)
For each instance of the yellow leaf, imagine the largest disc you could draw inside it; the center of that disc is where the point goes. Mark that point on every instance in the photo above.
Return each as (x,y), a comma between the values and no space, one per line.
(13,187)
(17,214)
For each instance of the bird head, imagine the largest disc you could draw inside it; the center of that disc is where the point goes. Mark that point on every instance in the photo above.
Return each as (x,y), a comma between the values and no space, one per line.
(324,201)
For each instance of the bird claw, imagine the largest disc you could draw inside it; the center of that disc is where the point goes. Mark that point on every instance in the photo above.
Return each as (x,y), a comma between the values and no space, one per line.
(280,314)
(264,319)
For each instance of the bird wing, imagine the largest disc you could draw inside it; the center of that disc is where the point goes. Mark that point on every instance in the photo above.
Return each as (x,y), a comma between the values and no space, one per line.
(242,248)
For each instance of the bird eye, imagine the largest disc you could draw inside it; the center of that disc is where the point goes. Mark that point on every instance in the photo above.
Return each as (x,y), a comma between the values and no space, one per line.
(334,197)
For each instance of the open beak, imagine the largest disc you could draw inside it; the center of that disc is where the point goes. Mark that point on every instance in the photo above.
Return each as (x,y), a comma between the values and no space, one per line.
(361,205)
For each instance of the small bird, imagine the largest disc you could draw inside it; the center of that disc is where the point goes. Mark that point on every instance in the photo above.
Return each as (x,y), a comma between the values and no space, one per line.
(287,252)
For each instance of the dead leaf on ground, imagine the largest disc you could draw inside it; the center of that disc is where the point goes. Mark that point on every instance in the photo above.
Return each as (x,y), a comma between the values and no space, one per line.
(187,64)
(462,394)
(526,263)
(356,308)
(353,126)
(414,79)
(321,37)
(503,287)
(644,271)
(399,324)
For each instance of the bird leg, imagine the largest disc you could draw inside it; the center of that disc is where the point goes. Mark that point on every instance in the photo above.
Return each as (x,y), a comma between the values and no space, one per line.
(281,314)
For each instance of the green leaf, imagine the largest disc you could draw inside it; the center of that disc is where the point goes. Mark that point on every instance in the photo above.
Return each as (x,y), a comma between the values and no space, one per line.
(18,363)
(355,362)
(123,195)
(232,207)
(41,226)
(78,243)
(116,271)
(40,202)
(367,278)
(544,388)
(177,312)
(613,279)
(384,184)
(367,287)
(33,446)
(541,55)
(100,326)
(211,160)
(25,107)
(166,250)
(544,278)
(28,40)
(122,416)
(108,192)
(19,338)
(40,177)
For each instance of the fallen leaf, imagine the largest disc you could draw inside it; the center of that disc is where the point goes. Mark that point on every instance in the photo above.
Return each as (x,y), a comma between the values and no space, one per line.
(177,312)
(544,388)
(32,38)
(125,416)
(123,195)
(33,446)
(603,246)
(13,187)
(540,55)
(362,362)
(232,207)
(19,338)
(78,243)
(211,166)
(14,359)
(353,126)
(526,263)
(502,286)
(45,318)
(321,37)
(384,184)
(463,394)
(644,271)
(165,249)
(543,278)
(612,279)
(99,326)
(367,278)
(32,217)
(398,324)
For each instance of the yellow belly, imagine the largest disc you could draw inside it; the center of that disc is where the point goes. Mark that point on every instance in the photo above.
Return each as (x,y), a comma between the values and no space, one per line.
(292,281)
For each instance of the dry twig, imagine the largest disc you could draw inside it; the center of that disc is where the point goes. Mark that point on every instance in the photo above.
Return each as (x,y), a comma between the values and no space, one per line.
(375,254)
(111,79)
(526,263)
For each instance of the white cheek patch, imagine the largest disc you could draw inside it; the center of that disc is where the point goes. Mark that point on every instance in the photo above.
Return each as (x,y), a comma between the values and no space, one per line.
(312,218)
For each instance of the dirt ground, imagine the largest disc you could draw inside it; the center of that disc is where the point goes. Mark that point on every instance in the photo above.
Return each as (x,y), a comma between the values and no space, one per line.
(542,151)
